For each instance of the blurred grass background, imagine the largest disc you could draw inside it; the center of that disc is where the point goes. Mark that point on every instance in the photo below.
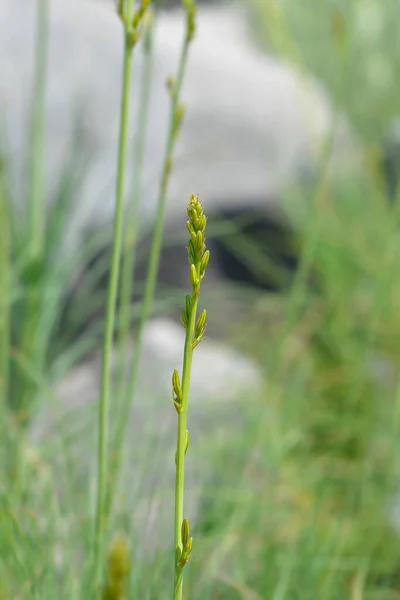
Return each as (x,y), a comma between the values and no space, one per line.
(352,47)
(299,503)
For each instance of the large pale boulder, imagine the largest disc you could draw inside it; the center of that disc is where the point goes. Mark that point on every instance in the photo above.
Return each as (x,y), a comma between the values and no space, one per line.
(253,125)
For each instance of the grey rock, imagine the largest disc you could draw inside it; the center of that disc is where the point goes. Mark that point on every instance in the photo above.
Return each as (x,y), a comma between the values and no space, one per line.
(253,124)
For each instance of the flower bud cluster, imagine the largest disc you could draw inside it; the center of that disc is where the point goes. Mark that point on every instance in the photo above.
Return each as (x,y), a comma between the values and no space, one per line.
(198,256)
(118,568)
(133,25)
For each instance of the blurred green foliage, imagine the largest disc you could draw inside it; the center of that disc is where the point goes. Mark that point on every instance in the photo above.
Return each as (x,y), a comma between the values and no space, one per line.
(352,46)
(298,505)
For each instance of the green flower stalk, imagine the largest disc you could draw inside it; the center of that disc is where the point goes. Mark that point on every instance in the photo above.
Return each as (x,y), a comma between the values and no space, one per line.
(131,20)
(195,331)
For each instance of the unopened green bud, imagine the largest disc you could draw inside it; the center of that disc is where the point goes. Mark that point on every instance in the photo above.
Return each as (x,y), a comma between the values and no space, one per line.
(186,440)
(195,220)
(204,262)
(184,318)
(187,548)
(200,242)
(140,13)
(201,322)
(176,391)
(185,532)
(193,239)
(170,83)
(191,252)
(190,228)
(118,560)
(193,276)
(176,384)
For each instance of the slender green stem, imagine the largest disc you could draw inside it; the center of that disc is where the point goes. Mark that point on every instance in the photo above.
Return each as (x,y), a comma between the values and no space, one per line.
(111,307)
(123,415)
(130,238)
(180,450)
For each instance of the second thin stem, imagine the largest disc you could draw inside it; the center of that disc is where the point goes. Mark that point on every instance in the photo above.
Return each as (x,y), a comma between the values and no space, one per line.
(102,460)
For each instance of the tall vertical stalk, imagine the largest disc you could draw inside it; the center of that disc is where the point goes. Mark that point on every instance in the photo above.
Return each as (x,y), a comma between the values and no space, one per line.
(176,117)
(131,23)
(198,260)
(130,237)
